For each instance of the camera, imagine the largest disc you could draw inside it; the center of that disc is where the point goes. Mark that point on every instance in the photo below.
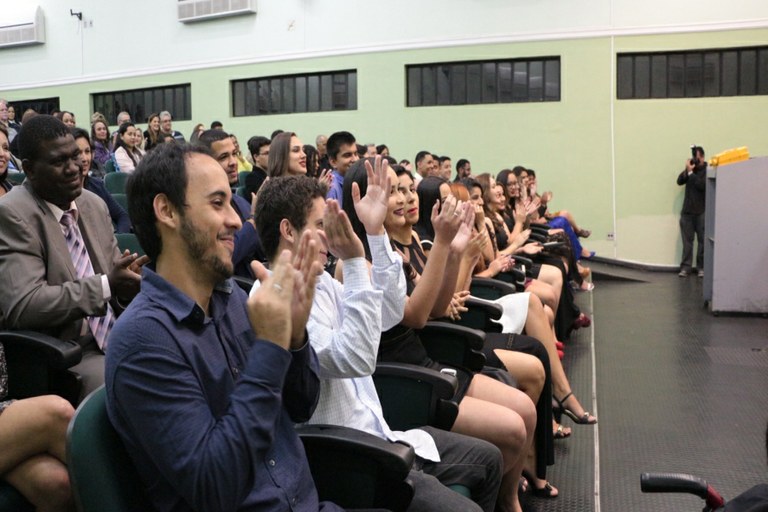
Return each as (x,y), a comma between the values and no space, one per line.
(694,154)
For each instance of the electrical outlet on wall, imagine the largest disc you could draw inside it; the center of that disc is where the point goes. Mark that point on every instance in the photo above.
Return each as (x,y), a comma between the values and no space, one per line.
(610,236)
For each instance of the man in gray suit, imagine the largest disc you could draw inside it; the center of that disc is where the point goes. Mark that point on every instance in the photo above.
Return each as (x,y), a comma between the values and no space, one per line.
(61,272)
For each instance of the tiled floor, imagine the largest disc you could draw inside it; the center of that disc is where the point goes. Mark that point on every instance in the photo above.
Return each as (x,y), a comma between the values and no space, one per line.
(677,390)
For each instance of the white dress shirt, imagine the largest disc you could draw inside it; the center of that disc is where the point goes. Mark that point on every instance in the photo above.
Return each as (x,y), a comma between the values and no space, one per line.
(345,327)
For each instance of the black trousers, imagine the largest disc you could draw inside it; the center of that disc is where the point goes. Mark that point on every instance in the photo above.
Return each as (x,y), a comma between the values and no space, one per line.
(691,225)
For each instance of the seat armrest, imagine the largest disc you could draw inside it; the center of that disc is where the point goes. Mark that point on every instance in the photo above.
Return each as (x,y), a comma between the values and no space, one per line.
(444,384)
(430,396)
(489,288)
(58,354)
(357,470)
(454,345)
(524,260)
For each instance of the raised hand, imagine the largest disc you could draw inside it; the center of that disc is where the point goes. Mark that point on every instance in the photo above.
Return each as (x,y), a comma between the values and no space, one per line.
(447,221)
(464,234)
(476,244)
(520,213)
(306,267)
(372,209)
(339,235)
(269,307)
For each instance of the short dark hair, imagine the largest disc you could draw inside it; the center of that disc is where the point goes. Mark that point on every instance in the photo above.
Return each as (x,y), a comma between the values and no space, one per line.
(421,155)
(442,159)
(336,140)
(36,131)
(461,163)
(162,171)
(79,133)
(361,150)
(255,144)
(216,124)
(699,149)
(518,170)
(276,133)
(380,148)
(208,137)
(284,197)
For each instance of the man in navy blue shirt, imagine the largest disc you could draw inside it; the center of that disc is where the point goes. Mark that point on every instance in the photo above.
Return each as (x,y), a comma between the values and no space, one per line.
(204,385)
(342,153)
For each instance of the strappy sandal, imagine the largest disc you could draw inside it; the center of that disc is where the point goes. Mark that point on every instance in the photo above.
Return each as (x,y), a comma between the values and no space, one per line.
(581,420)
(545,492)
(583,233)
(560,433)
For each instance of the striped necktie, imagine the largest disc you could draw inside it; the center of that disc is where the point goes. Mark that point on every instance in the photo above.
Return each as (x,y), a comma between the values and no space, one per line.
(100,325)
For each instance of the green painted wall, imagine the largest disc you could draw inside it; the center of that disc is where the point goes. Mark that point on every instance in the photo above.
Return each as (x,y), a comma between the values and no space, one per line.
(570,143)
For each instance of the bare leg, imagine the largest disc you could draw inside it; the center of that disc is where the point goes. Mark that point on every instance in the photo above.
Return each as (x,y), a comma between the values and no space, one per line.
(554,278)
(505,417)
(537,325)
(31,427)
(526,369)
(544,292)
(44,481)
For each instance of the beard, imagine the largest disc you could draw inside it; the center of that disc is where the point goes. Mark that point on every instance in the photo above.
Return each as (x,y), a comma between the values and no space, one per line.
(199,250)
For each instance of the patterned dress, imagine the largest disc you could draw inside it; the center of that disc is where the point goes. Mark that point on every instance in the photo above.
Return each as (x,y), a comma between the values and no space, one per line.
(3,381)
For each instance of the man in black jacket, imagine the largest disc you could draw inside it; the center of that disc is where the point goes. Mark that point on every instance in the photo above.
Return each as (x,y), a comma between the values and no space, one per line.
(692,217)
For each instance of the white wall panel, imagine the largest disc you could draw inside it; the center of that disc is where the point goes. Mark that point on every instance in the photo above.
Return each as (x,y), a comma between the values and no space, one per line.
(139,37)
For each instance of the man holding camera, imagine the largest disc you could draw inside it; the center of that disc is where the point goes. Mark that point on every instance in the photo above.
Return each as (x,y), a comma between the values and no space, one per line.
(692,217)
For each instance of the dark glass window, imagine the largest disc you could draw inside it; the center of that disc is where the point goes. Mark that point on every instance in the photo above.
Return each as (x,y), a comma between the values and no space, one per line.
(140,103)
(692,74)
(498,81)
(41,106)
(313,92)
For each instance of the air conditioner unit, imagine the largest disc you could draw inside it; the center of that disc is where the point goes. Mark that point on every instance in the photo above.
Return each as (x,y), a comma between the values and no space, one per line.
(24,34)
(200,10)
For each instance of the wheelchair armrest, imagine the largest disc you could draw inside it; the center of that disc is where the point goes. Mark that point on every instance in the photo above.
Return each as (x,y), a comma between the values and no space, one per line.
(430,396)
(542,229)
(355,469)
(56,353)
(538,237)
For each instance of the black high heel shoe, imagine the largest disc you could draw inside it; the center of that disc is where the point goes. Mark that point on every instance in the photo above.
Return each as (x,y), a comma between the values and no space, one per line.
(581,420)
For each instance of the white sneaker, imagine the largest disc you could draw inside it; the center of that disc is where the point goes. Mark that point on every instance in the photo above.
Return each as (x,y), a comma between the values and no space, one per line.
(701,273)
(683,273)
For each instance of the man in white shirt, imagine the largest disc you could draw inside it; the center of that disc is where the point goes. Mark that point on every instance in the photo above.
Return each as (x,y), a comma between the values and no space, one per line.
(345,326)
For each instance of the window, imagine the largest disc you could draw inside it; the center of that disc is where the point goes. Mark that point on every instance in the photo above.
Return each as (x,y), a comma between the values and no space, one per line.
(496,81)
(316,92)
(140,103)
(692,73)
(41,106)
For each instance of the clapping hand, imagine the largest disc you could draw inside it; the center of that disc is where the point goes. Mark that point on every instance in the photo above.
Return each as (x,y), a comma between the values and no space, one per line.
(338,233)
(464,234)
(447,220)
(372,209)
(279,309)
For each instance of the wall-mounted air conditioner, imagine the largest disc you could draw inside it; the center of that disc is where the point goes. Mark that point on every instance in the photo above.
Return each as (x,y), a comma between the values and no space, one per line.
(25,33)
(199,10)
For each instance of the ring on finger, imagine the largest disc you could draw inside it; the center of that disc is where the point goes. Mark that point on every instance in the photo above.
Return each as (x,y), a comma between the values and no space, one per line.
(277,287)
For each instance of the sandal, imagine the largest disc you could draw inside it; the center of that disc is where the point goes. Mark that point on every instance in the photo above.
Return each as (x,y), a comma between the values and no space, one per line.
(545,492)
(581,420)
(560,433)
(583,233)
